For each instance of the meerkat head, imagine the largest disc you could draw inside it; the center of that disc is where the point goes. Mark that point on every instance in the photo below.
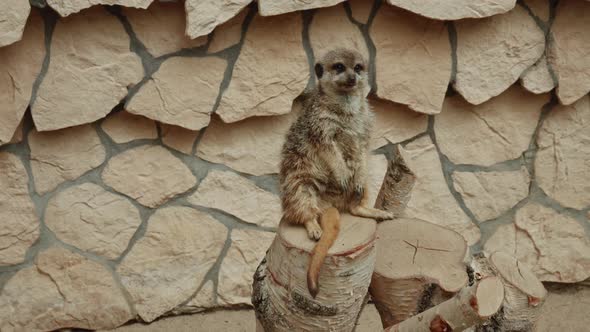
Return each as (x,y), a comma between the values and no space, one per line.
(343,72)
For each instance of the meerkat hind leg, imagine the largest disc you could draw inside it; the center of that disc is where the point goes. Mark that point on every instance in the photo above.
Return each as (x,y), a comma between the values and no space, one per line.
(314,231)
(367,212)
(362,210)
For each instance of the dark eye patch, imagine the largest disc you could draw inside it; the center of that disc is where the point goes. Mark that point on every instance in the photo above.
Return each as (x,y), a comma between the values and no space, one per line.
(338,67)
(358,68)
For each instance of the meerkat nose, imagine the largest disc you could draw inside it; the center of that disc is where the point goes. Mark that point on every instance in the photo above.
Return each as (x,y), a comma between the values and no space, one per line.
(351,80)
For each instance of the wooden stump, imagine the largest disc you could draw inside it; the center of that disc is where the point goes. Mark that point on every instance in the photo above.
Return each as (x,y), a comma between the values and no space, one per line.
(281,299)
(415,261)
(397,186)
(525,294)
(469,307)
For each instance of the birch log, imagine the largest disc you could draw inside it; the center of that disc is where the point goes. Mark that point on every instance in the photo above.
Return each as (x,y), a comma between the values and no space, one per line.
(472,305)
(280,296)
(415,260)
(525,294)
(397,186)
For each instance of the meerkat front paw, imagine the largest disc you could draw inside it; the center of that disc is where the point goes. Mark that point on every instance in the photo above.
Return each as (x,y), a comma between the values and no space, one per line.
(314,231)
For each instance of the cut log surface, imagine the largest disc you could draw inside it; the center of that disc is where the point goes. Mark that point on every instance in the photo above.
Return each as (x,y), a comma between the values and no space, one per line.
(525,294)
(415,260)
(281,299)
(469,307)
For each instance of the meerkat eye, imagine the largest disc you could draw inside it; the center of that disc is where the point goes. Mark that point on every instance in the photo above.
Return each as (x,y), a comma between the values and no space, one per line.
(338,67)
(358,68)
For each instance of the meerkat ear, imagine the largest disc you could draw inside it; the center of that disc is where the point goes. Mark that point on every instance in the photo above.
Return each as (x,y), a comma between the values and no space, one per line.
(319,70)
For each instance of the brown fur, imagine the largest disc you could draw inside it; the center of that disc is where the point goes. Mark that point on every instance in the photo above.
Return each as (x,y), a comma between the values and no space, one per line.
(324,157)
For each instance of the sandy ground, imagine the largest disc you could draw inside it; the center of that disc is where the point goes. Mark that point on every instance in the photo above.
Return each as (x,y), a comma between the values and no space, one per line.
(567,309)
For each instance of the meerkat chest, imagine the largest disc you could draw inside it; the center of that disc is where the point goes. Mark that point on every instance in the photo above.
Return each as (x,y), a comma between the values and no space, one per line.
(354,129)
(350,141)
(352,105)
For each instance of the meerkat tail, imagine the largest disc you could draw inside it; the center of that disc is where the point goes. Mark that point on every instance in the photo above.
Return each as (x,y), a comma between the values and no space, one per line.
(330,222)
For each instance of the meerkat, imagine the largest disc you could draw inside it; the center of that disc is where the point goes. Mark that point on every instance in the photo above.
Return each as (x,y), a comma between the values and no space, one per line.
(323,169)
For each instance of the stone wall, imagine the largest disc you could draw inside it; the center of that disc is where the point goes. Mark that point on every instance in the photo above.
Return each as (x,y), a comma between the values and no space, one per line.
(139,146)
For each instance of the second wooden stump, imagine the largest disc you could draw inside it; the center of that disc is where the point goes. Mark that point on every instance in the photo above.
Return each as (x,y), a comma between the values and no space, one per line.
(419,264)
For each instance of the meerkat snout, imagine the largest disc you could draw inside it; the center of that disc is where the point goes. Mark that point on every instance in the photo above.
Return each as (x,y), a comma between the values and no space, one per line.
(351,80)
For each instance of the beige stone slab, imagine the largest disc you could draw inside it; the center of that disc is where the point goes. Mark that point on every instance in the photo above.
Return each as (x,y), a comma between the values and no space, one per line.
(455,9)
(204,299)
(562,164)
(554,245)
(394,123)
(276,7)
(251,146)
(178,138)
(92,219)
(18,135)
(13,18)
(161,27)
(540,8)
(247,249)
(498,130)
(62,290)
(413,73)
(95,77)
(493,52)
(167,265)
(538,79)
(269,89)
(63,155)
(20,63)
(431,200)
(569,51)
(125,127)
(68,7)
(182,92)
(20,225)
(236,195)
(361,9)
(228,34)
(149,174)
(490,194)
(202,16)
(331,29)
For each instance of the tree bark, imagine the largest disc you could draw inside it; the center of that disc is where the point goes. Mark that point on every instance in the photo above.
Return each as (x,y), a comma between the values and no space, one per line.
(281,299)
(472,305)
(397,186)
